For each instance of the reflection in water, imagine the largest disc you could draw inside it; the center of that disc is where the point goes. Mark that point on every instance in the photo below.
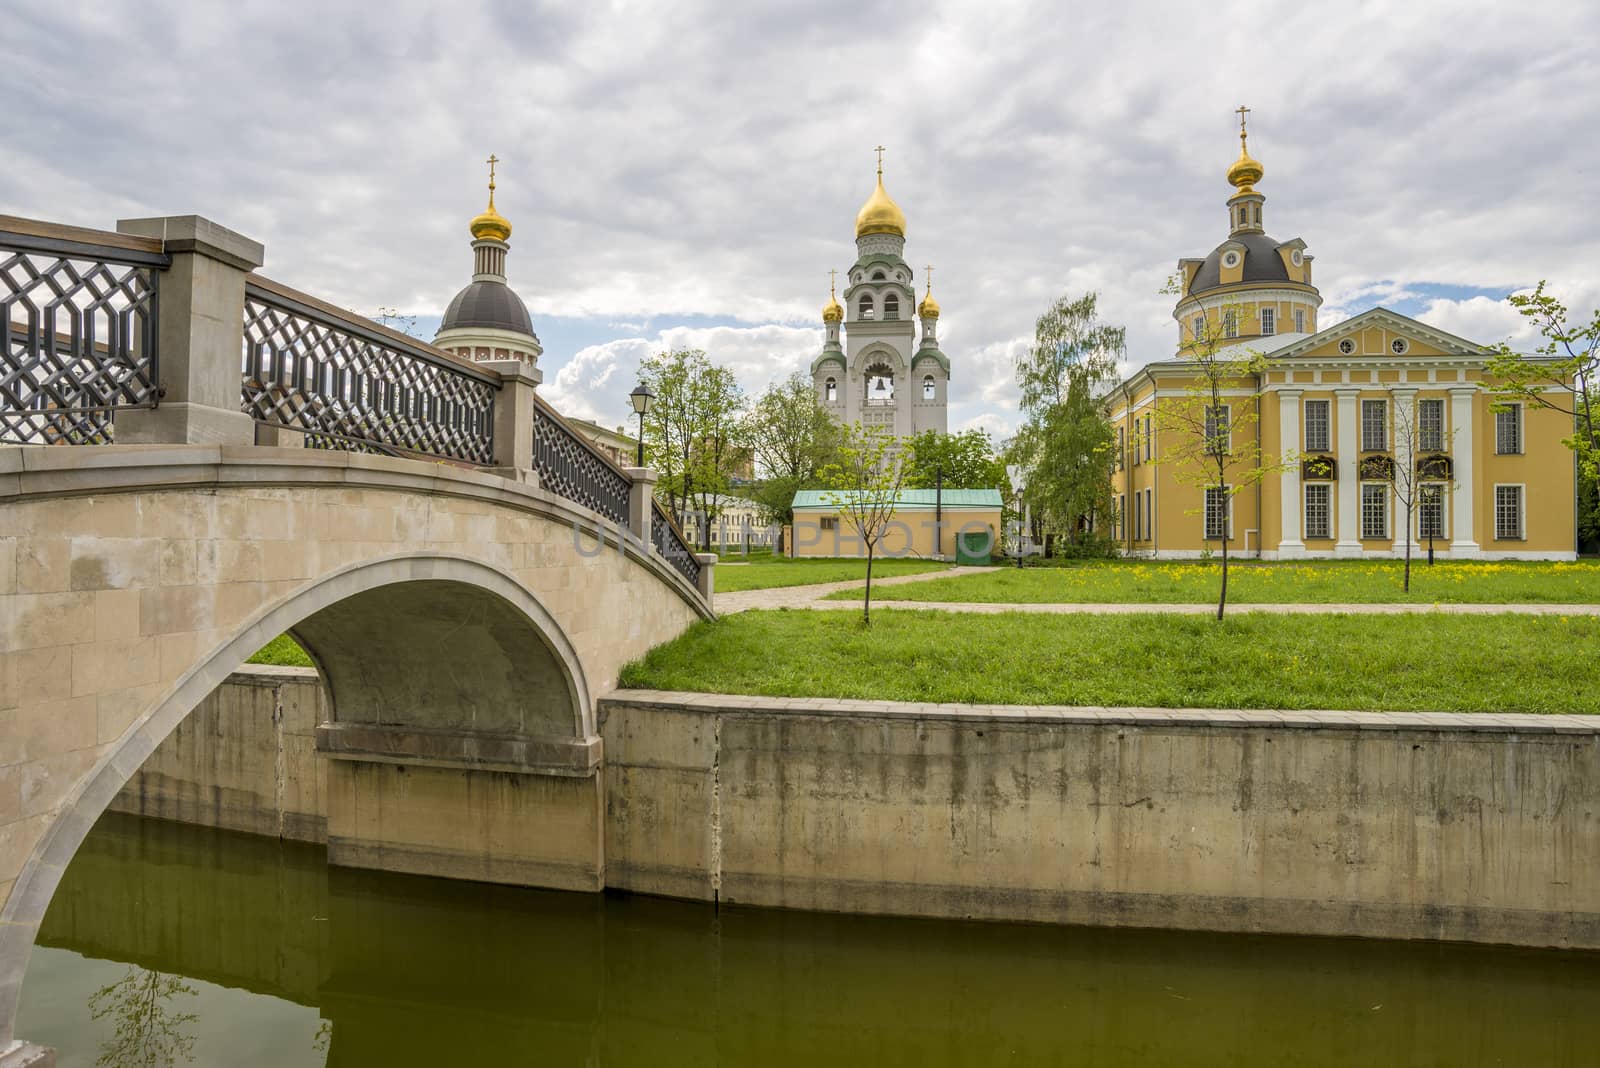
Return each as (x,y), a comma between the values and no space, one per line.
(150,1032)
(297,964)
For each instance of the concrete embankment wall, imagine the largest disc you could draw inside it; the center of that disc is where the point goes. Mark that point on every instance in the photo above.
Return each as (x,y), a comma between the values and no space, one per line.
(1475,828)
(244,760)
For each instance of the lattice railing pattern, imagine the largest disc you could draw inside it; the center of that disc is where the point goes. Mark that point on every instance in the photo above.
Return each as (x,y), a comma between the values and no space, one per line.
(80,339)
(569,466)
(670,544)
(348,386)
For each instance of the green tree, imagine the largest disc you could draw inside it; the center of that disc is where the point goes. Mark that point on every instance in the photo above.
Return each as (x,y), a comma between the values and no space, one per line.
(1065,442)
(966,460)
(1563,375)
(793,438)
(1207,432)
(694,430)
(865,483)
(149,1033)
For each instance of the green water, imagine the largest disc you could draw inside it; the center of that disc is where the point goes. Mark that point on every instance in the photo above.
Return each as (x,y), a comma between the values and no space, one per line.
(291,963)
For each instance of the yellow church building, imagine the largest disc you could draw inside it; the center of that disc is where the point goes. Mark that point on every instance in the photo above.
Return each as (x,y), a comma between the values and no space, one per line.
(1496,482)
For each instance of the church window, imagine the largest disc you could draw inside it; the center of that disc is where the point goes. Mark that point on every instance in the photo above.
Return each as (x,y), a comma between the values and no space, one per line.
(1199,327)
(1299,320)
(1508,513)
(1149,438)
(1375,510)
(1218,435)
(1374,425)
(1138,516)
(1319,510)
(830,390)
(891,307)
(1230,258)
(1317,437)
(1269,321)
(1219,513)
(1430,511)
(866,307)
(878,276)
(1430,425)
(929,390)
(1508,430)
(1122,448)
(1399,345)
(1230,323)
(1347,346)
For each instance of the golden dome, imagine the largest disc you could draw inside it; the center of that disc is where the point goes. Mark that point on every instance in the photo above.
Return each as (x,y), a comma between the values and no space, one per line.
(1246,170)
(929,308)
(880,215)
(491,225)
(833,311)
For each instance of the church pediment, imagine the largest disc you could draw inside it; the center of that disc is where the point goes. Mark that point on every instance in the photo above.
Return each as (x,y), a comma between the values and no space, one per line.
(1379,334)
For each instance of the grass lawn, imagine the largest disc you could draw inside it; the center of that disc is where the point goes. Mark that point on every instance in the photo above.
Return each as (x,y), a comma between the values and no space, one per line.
(1250,582)
(1432,662)
(767,572)
(281,651)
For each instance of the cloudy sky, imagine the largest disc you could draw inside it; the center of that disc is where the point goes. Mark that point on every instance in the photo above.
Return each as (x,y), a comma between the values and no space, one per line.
(686,173)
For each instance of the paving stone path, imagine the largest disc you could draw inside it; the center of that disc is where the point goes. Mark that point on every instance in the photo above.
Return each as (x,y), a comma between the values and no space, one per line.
(812,597)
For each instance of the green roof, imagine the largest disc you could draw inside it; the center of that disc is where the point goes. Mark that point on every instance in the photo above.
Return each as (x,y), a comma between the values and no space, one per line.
(910,498)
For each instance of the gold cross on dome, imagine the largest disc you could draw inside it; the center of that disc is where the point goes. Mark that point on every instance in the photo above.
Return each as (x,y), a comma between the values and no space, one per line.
(1242,112)
(833,280)
(929,269)
(880,150)
(491,161)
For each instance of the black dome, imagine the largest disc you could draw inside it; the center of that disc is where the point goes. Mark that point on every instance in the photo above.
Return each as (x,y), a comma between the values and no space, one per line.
(488,304)
(1261,263)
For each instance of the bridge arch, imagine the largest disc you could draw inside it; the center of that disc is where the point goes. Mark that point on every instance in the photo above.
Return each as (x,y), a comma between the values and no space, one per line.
(465,625)
(500,624)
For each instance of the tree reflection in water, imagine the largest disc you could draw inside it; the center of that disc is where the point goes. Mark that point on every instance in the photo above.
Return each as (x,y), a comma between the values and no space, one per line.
(150,1031)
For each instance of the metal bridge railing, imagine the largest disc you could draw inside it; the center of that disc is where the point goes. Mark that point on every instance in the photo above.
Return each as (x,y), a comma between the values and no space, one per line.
(569,466)
(79,312)
(349,383)
(670,543)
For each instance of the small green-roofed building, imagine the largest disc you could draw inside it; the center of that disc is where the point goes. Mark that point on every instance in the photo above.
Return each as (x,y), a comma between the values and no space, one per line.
(821,528)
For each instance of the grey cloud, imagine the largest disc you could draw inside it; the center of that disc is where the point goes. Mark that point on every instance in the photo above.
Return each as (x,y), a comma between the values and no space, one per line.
(691,158)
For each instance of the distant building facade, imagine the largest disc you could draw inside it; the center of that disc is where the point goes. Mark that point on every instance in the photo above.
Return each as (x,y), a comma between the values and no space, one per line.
(1496,480)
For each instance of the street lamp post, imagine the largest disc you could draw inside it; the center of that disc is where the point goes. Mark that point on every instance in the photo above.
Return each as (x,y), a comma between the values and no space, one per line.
(641,398)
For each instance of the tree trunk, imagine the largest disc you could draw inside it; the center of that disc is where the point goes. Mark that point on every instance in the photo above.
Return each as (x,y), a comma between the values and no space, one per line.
(1222,597)
(1408,547)
(866,604)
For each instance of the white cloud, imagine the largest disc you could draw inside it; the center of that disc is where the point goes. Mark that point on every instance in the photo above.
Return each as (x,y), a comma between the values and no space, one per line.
(692,159)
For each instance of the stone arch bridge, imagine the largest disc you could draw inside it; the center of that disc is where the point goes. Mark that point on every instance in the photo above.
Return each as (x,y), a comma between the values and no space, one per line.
(468,573)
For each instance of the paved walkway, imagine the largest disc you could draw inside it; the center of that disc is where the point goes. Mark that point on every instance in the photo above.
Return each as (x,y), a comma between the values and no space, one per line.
(812,597)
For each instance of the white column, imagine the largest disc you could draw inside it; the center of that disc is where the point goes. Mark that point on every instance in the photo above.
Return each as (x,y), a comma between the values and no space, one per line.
(1463,540)
(1289,543)
(1405,430)
(1348,455)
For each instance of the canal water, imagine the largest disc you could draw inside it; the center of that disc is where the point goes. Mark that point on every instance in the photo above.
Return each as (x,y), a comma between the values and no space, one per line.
(224,949)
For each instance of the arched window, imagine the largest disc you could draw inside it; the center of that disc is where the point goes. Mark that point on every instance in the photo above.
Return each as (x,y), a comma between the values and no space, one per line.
(878,276)
(891,307)
(830,391)
(930,391)
(865,307)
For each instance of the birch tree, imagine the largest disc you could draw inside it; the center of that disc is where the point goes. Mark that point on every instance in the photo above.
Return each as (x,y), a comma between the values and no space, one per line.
(865,483)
